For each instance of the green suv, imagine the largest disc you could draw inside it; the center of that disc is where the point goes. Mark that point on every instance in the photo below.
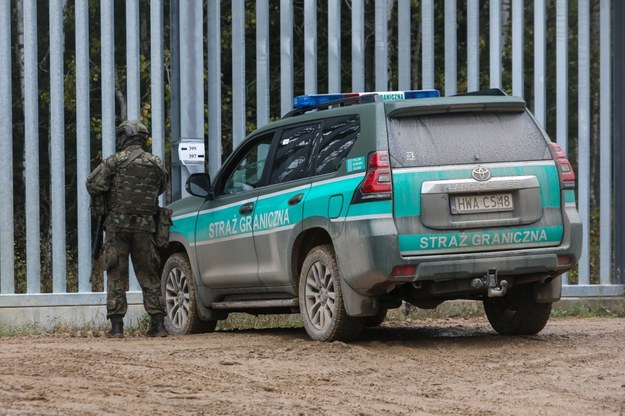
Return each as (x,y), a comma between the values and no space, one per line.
(353,203)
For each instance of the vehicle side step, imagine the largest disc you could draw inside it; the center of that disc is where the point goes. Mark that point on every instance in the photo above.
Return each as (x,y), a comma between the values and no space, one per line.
(256,303)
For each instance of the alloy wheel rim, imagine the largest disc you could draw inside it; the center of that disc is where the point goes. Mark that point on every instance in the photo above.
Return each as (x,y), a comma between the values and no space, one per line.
(177,297)
(320,296)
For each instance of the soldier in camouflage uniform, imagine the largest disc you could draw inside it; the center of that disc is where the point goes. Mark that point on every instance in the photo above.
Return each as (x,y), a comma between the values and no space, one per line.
(130,182)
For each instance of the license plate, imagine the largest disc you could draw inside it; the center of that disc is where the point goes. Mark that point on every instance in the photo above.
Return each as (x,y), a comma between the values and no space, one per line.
(470,204)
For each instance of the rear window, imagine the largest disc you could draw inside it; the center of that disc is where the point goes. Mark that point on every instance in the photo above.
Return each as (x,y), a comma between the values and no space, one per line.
(465,138)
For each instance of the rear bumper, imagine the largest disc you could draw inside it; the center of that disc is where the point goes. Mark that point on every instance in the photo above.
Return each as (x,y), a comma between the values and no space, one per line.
(368,250)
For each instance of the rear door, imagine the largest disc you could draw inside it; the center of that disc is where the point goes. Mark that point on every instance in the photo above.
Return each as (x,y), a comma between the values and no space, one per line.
(473,181)
(280,207)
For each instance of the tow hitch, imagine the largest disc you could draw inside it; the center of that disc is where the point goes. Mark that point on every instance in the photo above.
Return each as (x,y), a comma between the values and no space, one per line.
(495,287)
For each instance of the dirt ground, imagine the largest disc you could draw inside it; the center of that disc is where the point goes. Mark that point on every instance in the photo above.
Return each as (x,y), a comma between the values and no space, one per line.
(451,366)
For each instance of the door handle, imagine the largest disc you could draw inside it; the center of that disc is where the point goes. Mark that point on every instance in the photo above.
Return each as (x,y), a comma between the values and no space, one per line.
(295,199)
(246,209)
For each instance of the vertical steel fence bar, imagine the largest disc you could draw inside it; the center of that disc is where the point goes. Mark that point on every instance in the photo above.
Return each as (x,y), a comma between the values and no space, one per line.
(107,39)
(7,256)
(381,49)
(358,45)
(605,136)
(310,46)
(562,116)
(192,84)
(540,89)
(57,148)
(132,60)
(583,145)
(83,144)
(403,40)
(107,24)
(427,43)
(618,138)
(238,71)
(451,40)
(175,20)
(286,56)
(473,45)
(214,86)
(562,78)
(262,62)
(31,148)
(334,46)
(157,85)
(133,87)
(518,63)
(495,43)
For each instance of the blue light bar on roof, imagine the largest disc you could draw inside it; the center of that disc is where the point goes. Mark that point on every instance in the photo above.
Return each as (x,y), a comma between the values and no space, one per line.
(315,100)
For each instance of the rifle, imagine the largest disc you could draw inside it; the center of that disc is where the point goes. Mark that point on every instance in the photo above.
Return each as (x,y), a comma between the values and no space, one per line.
(98,240)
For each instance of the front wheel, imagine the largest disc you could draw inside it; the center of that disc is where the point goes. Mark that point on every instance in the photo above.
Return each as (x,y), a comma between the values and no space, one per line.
(321,300)
(180,299)
(517,313)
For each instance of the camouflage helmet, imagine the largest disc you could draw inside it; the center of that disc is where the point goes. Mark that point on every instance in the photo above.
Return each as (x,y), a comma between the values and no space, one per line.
(131,131)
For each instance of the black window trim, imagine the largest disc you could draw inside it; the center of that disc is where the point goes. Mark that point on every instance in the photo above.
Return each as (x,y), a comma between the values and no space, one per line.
(274,150)
(233,160)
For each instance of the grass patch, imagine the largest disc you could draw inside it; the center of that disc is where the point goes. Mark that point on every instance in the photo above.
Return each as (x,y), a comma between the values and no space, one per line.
(62,329)
(247,321)
(581,310)
(11,331)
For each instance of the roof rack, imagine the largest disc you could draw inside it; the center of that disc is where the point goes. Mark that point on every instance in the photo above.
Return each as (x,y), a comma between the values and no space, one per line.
(355,99)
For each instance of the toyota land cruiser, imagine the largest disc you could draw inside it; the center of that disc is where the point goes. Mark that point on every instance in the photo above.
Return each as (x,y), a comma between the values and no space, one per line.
(353,203)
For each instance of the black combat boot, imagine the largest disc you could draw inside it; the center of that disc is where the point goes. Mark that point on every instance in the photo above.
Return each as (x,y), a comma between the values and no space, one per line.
(117,328)
(157,327)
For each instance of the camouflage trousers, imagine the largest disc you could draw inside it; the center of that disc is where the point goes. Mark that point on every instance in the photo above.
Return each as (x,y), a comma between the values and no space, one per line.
(118,246)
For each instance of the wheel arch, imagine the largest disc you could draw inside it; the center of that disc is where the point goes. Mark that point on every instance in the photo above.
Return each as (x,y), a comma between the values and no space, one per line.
(171,248)
(306,241)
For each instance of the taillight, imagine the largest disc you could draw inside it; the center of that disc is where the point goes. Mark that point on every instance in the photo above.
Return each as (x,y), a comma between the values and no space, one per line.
(404,270)
(565,170)
(377,182)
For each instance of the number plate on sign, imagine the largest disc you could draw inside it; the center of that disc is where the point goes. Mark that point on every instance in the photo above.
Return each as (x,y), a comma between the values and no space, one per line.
(470,204)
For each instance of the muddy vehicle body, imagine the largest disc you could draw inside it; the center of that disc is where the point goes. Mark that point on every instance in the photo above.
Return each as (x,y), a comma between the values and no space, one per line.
(352,204)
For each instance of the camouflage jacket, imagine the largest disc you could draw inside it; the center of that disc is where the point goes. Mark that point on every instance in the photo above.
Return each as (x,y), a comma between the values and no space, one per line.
(131,181)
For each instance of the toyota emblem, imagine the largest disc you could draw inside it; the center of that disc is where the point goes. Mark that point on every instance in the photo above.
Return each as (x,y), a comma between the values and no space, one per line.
(480,174)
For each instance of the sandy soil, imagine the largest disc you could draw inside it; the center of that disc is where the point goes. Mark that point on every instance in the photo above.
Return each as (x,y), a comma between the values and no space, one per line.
(451,366)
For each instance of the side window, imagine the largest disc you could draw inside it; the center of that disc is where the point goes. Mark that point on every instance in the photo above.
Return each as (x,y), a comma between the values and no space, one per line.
(249,171)
(292,159)
(338,138)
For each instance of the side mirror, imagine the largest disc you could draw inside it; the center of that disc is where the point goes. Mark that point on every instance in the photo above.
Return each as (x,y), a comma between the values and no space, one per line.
(199,184)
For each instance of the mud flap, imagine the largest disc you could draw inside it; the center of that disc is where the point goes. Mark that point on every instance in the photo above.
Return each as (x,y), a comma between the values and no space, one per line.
(357,304)
(549,292)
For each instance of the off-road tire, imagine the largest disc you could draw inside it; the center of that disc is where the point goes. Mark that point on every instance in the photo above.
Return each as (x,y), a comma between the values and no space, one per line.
(517,313)
(178,287)
(321,299)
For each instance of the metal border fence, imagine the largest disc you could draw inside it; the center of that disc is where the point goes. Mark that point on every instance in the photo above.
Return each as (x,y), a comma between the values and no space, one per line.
(188,68)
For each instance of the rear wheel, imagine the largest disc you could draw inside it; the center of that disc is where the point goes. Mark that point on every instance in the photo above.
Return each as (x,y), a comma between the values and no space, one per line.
(321,300)
(180,298)
(517,313)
